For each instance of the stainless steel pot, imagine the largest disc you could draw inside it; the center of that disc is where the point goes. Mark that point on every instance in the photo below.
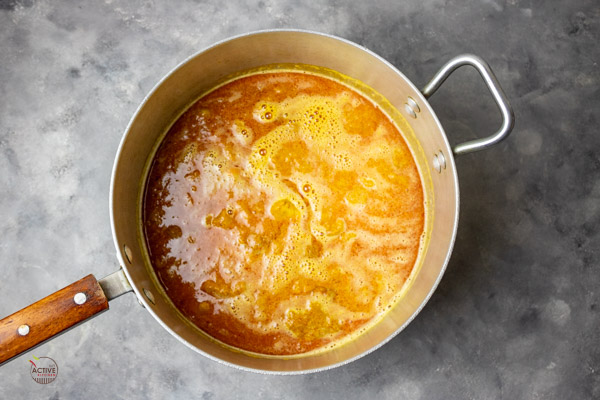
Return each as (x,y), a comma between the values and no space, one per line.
(164,104)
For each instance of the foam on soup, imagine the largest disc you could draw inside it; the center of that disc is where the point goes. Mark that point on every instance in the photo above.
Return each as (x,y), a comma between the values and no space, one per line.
(283,212)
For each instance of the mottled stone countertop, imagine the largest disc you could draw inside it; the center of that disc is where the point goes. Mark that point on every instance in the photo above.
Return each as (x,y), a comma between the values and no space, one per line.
(517,314)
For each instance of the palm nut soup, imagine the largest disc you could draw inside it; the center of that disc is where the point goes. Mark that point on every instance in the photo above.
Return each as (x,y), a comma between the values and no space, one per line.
(283,212)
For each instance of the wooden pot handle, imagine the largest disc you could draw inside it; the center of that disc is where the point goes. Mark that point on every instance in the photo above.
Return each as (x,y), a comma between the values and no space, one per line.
(50,316)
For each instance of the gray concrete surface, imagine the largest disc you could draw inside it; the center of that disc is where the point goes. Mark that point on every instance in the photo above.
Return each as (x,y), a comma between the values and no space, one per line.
(516,316)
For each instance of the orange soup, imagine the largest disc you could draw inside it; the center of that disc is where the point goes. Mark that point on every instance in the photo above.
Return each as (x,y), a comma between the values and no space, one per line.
(283,212)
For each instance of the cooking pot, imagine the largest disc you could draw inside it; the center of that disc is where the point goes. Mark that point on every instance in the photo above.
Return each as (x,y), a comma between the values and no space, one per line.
(88,297)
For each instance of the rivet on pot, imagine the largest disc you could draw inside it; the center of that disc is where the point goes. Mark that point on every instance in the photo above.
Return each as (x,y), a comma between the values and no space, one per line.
(128,254)
(439,162)
(149,295)
(80,298)
(23,330)
(411,107)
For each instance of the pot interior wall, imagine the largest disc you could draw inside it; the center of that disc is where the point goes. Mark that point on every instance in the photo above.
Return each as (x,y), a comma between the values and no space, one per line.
(199,73)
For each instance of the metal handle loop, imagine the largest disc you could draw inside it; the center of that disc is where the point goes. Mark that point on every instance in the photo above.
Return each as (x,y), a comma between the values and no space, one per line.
(508,117)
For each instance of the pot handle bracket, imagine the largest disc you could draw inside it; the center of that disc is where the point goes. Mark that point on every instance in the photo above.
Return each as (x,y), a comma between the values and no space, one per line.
(508,116)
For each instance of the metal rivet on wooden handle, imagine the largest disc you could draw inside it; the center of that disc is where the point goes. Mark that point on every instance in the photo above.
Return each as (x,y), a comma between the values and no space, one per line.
(50,316)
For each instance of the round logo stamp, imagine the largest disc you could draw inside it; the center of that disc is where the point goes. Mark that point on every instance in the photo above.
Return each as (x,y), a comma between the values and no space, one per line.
(43,370)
